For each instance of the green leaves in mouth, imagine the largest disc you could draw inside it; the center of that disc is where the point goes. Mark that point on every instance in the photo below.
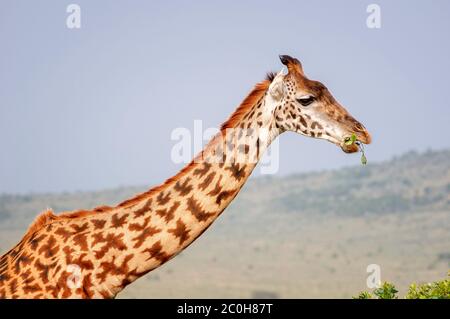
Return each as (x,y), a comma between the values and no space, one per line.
(352,140)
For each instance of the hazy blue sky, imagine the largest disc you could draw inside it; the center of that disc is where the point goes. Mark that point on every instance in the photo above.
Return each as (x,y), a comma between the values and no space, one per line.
(94,108)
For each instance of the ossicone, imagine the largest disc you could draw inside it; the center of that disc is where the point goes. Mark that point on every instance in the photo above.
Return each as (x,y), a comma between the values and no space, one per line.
(292,64)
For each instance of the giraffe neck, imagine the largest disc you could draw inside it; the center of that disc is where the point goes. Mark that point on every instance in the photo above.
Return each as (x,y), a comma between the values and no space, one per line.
(163,224)
(112,247)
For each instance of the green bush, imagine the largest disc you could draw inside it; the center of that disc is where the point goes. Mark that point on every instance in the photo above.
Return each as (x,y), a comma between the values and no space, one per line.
(434,290)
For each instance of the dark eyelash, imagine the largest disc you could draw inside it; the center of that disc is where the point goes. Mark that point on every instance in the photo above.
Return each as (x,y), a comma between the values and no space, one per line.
(306,101)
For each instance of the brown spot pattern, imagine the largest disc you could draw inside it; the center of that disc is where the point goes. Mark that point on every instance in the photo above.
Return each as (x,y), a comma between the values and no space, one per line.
(183,188)
(217,188)
(237,171)
(147,232)
(207,181)
(117,222)
(43,270)
(224,196)
(303,121)
(200,214)
(143,210)
(110,268)
(163,199)
(80,228)
(110,241)
(35,240)
(168,213)
(202,171)
(50,248)
(157,252)
(98,223)
(81,241)
(180,231)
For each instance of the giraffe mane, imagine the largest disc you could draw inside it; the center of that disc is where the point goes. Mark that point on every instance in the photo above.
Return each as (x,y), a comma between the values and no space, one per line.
(47,217)
(255,95)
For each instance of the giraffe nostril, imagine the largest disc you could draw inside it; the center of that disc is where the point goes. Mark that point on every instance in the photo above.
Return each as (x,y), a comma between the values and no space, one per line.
(359,126)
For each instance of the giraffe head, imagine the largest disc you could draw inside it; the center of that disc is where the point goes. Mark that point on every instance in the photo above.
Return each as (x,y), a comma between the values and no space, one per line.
(307,107)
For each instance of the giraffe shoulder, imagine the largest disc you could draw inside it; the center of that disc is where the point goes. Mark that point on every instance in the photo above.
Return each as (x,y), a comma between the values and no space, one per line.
(43,219)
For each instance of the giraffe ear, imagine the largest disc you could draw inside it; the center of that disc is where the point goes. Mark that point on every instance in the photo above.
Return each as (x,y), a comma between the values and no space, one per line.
(292,64)
(276,88)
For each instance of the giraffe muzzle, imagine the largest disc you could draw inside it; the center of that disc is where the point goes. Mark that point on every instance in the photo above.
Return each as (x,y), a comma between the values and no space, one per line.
(362,137)
(349,148)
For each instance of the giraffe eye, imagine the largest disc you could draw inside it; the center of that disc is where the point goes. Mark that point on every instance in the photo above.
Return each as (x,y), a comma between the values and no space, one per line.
(307,100)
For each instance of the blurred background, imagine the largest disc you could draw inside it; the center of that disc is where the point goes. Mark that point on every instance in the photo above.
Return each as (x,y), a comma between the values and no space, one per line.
(86,116)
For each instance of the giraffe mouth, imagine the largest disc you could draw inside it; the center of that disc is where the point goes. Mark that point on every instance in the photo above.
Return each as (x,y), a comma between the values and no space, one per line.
(354,144)
(353,148)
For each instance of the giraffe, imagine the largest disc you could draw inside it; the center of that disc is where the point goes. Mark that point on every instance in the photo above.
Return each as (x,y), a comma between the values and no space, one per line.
(113,246)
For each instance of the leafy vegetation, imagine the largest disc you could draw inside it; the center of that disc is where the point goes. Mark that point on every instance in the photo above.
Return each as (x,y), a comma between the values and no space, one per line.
(434,290)
(353,140)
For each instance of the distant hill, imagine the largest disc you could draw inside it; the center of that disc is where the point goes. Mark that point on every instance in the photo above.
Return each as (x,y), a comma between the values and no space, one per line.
(410,182)
(303,235)
(413,181)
